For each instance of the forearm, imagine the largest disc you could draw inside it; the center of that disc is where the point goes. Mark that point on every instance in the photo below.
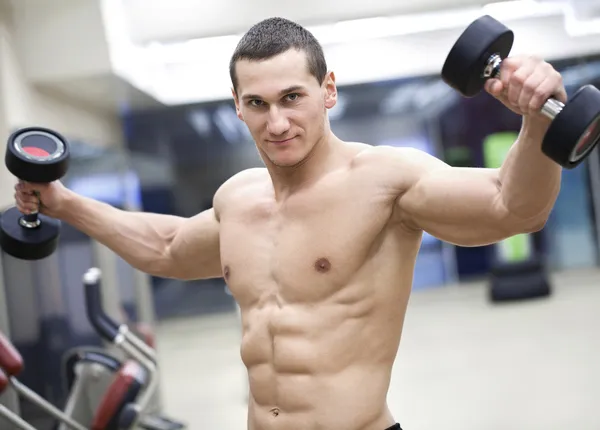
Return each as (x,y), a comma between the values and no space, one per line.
(529,180)
(141,239)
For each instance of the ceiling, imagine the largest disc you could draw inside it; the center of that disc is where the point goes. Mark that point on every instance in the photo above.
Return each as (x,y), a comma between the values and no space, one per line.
(174,20)
(122,69)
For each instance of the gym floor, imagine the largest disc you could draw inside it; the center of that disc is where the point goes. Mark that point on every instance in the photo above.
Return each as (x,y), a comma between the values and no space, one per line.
(463,363)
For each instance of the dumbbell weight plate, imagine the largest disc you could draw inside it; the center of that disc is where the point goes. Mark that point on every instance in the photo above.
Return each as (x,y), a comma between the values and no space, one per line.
(28,243)
(36,154)
(575,131)
(466,63)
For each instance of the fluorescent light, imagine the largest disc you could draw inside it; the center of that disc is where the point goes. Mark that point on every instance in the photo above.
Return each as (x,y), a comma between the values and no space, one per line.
(185,72)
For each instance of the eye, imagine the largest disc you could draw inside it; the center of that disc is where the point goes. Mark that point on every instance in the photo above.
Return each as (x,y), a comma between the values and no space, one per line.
(256,103)
(292,97)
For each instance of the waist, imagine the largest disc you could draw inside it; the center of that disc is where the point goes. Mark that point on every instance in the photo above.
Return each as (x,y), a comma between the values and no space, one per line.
(353,416)
(352,390)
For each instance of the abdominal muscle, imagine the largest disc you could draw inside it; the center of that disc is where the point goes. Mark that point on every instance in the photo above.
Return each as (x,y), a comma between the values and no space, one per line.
(320,365)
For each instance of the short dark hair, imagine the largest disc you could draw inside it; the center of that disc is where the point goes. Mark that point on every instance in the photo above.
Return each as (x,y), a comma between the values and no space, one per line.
(274,36)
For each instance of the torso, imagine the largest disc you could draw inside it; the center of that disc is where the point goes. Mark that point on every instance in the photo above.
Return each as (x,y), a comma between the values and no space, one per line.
(322,281)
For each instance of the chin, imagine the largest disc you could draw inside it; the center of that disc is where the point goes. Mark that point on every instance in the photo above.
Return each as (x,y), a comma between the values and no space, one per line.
(287,158)
(286,162)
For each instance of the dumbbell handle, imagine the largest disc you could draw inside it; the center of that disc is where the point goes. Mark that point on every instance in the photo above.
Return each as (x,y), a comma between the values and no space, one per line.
(31,220)
(551,108)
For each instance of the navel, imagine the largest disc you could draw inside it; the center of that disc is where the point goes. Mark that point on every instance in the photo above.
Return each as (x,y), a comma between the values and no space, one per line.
(322,265)
(226,272)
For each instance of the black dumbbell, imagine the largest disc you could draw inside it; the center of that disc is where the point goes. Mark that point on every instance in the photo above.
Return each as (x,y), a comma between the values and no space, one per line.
(477,56)
(36,155)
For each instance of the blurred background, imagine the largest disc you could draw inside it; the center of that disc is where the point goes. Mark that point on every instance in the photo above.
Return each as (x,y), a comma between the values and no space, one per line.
(141,89)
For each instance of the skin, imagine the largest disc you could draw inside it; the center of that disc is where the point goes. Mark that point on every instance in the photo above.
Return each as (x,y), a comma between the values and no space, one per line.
(318,248)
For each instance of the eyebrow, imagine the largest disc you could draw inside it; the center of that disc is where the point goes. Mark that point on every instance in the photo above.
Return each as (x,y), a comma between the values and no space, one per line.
(282,93)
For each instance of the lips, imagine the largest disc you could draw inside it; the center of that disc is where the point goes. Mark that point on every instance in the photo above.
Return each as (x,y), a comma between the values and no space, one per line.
(282,142)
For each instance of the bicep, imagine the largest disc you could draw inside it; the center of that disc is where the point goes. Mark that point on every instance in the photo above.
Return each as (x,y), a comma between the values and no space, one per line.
(195,250)
(459,205)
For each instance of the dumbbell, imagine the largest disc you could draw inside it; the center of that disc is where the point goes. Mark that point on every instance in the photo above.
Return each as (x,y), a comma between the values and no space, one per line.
(477,56)
(36,155)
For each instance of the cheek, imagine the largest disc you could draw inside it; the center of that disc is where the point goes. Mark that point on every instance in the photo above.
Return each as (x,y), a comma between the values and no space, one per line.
(252,121)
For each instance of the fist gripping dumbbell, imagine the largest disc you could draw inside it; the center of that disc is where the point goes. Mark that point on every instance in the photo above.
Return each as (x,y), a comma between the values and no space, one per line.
(477,56)
(37,155)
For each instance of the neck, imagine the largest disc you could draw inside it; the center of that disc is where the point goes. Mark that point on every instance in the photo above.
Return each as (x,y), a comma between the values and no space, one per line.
(322,159)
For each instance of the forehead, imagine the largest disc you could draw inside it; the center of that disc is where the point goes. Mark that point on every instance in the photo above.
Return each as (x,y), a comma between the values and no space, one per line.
(269,76)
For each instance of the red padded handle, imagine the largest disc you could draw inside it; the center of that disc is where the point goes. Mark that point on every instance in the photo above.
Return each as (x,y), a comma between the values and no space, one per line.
(10,359)
(124,388)
(3,381)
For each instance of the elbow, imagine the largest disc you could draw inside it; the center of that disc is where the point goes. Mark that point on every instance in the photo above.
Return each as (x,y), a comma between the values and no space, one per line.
(531,226)
(164,265)
(536,226)
(160,267)
(159,263)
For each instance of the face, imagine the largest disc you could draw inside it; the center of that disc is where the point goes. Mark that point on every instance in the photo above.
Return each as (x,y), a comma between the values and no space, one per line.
(283,106)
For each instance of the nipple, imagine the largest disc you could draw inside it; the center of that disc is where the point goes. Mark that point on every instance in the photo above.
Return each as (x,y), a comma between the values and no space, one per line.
(226,272)
(322,265)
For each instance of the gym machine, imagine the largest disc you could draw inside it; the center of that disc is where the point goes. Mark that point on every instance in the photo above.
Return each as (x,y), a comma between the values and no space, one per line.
(131,414)
(475,58)
(124,404)
(7,414)
(11,365)
(129,382)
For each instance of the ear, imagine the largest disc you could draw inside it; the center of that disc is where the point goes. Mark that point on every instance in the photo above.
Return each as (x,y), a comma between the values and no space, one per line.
(330,90)
(238,112)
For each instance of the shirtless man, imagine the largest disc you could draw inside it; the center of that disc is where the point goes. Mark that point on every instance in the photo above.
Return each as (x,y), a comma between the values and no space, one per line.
(318,248)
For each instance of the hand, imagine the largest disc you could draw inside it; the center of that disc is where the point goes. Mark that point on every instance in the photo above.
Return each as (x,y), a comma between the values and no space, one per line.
(47,199)
(525,84)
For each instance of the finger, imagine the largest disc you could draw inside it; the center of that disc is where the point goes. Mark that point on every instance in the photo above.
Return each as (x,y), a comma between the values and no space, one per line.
(494,87)
(543,92)
(529,89)
(27,210)
(507,68)
(27,198)
(30,186)
(517,80)
(27,207)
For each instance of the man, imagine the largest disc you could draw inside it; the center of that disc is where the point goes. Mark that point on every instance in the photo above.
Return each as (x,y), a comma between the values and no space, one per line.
(318,248)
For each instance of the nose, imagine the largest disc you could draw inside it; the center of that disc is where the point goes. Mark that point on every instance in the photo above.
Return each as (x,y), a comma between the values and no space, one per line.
(277,124)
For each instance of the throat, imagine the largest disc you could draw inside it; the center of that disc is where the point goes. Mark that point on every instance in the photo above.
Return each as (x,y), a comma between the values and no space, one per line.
(323,158)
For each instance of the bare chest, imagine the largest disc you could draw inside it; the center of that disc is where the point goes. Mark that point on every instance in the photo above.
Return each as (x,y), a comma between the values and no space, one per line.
(301,251)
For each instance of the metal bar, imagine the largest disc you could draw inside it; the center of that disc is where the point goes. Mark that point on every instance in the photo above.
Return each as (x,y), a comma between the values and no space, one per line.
(44,404)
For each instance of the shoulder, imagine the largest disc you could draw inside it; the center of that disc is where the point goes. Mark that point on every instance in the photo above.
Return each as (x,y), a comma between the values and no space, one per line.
(385,154)
(396,166)
(241,185)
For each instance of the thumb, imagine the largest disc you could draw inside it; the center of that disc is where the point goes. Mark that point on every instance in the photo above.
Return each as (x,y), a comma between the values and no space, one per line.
(494,87)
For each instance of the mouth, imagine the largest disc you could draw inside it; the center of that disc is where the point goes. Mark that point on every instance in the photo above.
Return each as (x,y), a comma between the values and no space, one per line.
(281,142)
